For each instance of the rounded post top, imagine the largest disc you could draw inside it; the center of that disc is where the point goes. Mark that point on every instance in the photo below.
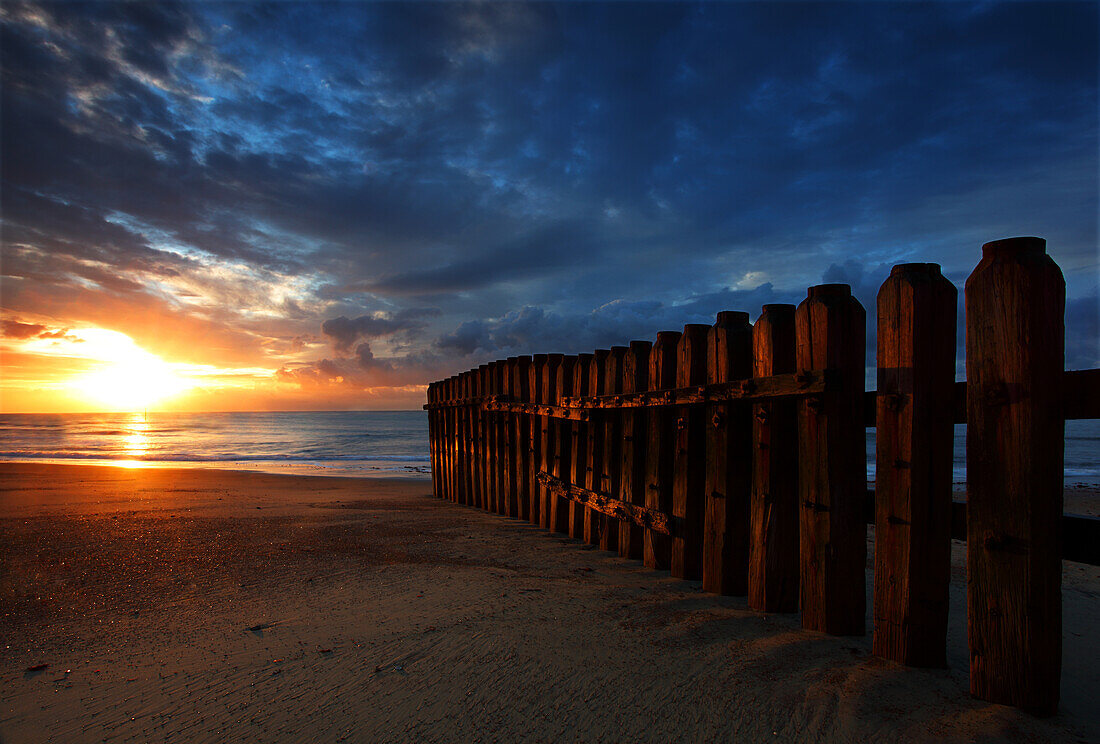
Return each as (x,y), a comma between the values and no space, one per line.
(619,349)
(1014,246)
(601,353)
(512,359)
(668,337)
(731,318)
(554,358)
(829,290)
(777,308)
(637,346)
(584,356)
(540,358)
(911,269)
(695,328)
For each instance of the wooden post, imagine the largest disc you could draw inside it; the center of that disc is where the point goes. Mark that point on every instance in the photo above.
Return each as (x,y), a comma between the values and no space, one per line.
(561,434)
(690,473)
(496,441)
(773,546)
(831,334)
(483,440)
(508,507)
(550,426)
(472,463)
(525,487)
(914,444)
(728,486)
(537,424)
(632,486)
(610,476)
(452,440)
(1015,356)
(597,383)
(467,440)
(445,438)
(578,454)
(660,447)
(433,436)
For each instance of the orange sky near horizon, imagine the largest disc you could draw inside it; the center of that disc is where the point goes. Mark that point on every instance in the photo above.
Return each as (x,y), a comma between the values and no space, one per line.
(64,369)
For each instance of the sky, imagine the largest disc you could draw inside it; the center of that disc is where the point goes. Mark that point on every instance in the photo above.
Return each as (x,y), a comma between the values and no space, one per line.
(304,206)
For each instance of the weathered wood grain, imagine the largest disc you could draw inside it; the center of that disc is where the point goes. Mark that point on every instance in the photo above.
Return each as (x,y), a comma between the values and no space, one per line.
(521,426)
(830,333)
(537,457)
(1015,353)
(729,453)
(597,381)
(632,468)
(774,540)
(561,434)
(649,519)
(550,442)
(690,470)
(660,447)
(611,472)
(578,456)
(914,450)
(483,441)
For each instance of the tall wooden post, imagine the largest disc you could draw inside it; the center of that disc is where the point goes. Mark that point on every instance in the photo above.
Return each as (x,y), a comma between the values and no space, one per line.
(461,439)
(482,418)
(728,486)
(496,442)
(632,485)
(611,474)
(773,546)
(521,425)
(597,382)
(690,473)
(831,334)
(660,447)
(1015,356)
(578,454)
(509,506)
(433,436)
(914,440)
(559,383)
(472,413)
(474,463)
(549,437)
(536,384)
(467,440)
(445,449)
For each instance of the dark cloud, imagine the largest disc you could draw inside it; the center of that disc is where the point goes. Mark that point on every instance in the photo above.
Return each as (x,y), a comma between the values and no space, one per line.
(547,175)
(346,331)
(15,329)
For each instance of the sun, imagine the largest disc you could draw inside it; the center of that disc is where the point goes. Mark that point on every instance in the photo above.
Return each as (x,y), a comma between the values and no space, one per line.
(128,378)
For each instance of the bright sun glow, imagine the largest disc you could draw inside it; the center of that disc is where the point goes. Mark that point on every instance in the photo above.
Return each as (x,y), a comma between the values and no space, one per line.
(131,378)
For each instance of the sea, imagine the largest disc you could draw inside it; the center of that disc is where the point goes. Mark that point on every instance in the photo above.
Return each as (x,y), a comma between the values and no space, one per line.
(345,443)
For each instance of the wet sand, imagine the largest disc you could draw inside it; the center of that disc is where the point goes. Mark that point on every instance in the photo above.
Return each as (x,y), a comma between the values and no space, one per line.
(199,605)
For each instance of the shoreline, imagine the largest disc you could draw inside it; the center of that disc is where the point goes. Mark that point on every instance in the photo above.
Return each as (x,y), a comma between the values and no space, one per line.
(204,605)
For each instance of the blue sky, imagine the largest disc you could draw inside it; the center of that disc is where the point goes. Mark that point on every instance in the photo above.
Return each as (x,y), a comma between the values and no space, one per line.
(359,197)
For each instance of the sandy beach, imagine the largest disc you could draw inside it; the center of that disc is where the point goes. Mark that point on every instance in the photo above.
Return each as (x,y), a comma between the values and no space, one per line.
(200,605)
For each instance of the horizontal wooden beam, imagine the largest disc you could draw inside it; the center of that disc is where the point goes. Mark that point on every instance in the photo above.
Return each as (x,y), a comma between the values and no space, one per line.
(501,403)
(1080,391)
(1080,533)
(456,403)
(642,516)
(811,382)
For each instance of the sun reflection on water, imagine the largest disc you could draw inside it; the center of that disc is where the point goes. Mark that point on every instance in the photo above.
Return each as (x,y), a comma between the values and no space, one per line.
(135,443)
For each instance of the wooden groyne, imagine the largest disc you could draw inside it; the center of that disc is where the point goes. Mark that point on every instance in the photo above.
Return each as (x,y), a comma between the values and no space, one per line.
(735,454)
